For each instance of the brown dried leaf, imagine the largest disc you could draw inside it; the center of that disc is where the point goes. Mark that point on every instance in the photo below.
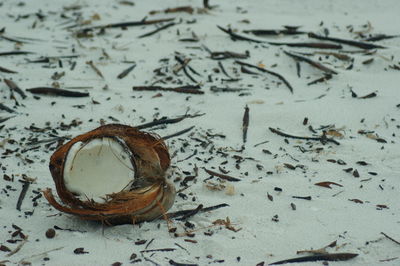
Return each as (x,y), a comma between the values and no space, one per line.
(357,201)
(327,184)
(227,224)
(334,133)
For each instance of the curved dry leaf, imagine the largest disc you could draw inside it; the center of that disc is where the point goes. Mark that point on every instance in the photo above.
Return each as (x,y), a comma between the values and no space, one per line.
(327,184)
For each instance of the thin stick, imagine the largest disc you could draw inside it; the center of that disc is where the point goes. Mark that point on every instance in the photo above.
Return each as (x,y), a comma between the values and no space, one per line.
(5,70)
(166,26)
(322,79)
(388,237)
(174,263)
(11,84)
(126,72)
(184,89)
(221,66)
(380,37)
(20,245)
(311,62)
(362,45)
(228,54)
(322,139)
(98,72)
(166,121)
(15,53)
(6,108)
(274,32)
(184,212)
(245,123)
(222,176)
(267,71)
(6,118)
(159,249)
(327,257)
(236,36)
(11,39)
(128,24)
(40,254)
(185,63)
(192,213)
(318,45)
(25,186)
(57,92)
(177,133)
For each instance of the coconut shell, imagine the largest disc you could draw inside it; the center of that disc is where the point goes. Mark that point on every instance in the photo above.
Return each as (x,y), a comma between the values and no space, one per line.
(151,196)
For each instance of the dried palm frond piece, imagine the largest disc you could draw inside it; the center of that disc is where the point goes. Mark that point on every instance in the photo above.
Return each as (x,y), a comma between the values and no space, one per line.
(115,174)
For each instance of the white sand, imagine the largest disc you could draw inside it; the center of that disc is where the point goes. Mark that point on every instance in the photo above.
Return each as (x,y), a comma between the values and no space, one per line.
(329,216)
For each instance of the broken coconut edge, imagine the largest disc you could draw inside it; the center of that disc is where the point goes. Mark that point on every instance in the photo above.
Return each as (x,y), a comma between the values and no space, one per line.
(151,196)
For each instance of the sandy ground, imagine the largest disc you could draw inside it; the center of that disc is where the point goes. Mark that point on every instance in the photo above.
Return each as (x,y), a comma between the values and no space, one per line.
(274,170)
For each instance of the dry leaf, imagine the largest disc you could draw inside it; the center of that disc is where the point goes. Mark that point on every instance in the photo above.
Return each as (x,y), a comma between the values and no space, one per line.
(327,184)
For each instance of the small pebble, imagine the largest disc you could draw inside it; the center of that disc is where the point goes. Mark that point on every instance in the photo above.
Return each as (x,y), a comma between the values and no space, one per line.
(50,233)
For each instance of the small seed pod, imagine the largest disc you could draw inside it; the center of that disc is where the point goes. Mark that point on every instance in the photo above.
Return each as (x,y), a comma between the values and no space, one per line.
(115,174)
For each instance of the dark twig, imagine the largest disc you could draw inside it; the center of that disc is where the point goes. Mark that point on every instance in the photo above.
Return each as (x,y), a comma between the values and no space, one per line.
(174,263)
(6,108)
(192,213)
(302,197)
(15,88)
(183,89)
(361,45)
(222,176)
(57,92)
(25,186)
(159,250)
(279,76)
(11,39)
(226,89)
(322,139)
(206,4)
(380,37)
(221,66)
(188,75)
(98,72)
(245,125)
(236,36)
(2,120)
(388,237)
(48,59)
(15,53)
(311,62)
(274,32)
(165,121)
(185,64)
(126,71)
(327,257)
(318,45)
(185,212)
(166,26)
(178,133)
(127,24)
(228,54)
(323,79)
(5,70)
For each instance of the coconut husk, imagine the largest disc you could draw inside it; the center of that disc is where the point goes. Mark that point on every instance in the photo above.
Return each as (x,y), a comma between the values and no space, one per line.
(151,195)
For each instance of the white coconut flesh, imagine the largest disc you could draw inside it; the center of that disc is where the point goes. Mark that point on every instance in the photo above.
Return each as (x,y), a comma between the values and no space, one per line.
(96,168)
